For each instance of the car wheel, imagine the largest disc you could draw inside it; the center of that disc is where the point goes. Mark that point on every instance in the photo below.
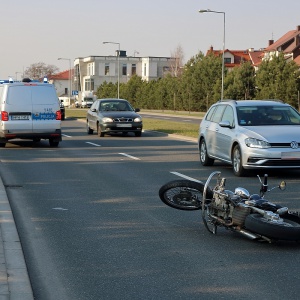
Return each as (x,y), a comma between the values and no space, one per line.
(204,158)
(88,129)
(2,145)
(138,133)
(53,143)
(99,131)
(238,169)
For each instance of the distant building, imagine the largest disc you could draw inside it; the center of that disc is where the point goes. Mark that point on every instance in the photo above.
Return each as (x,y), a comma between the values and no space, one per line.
(61,81)
(90,72)
(233,58)
(288,44)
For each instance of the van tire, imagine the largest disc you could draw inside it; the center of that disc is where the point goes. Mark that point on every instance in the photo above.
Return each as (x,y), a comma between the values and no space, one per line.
(2,145)
(53,143)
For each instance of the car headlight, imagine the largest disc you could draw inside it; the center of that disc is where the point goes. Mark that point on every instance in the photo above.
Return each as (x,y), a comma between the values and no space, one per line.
(137,120)
(107,120)
(255,143)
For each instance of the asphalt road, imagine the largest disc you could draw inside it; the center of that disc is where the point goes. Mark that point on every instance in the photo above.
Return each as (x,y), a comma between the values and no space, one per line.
(92,226)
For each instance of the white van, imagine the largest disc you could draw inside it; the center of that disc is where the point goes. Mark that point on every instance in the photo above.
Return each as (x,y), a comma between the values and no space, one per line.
(29,110)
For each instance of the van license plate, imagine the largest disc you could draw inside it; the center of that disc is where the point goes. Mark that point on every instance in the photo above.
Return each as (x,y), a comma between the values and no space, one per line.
(20,117)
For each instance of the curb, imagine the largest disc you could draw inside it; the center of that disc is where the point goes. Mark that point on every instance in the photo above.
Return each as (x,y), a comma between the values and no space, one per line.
(14,279)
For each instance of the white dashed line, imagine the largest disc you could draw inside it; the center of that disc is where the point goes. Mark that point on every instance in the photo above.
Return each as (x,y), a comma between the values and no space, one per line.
(185,177)
(93,144)
(130,156)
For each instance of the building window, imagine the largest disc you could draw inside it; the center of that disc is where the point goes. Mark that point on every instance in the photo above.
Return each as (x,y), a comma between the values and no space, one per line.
(227,60)
(106,69)
(89,84)
(145,69)
(133,69)
(66,91)
(90,69)
(124,69)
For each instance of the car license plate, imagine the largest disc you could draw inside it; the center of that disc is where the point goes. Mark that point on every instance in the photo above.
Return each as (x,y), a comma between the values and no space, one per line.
(124,125)
(290,155)
(20,117)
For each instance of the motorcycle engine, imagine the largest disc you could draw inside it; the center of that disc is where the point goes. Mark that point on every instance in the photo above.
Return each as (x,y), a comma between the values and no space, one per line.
(232,212)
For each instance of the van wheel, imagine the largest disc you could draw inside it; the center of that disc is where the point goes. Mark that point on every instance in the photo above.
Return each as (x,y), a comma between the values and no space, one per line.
(2,145)
(53,143)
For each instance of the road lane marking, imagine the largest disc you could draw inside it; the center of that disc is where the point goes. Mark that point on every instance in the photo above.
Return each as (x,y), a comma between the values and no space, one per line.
(130,156)
(185,177)
(68,136)
(97,145)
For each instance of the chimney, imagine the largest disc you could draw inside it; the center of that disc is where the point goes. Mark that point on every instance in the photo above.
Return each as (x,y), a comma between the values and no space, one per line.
(211,49)
(298,28)
(271,42)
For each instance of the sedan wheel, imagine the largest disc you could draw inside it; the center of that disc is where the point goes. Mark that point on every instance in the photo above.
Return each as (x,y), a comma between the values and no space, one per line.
(99,131)
(88,129)
(204,158)
(238,169)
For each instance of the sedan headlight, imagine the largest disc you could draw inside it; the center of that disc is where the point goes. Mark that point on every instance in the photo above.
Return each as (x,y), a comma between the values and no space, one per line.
(107,120)
(255,143)
(137,120)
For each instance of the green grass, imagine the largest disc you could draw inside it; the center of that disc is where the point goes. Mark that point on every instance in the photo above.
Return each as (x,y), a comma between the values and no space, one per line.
(170,127)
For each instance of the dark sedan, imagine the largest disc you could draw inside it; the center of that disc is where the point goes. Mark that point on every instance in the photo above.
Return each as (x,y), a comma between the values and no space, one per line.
(108,116)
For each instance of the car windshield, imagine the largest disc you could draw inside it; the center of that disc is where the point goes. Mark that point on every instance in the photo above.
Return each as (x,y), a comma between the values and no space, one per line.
(115,106)
(267,115)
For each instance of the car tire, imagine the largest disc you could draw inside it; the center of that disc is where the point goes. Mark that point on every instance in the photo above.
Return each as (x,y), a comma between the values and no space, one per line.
(2,145)
(99,131)
(138,133)
(204,158)
(238,169)
(53,143)
(88,129)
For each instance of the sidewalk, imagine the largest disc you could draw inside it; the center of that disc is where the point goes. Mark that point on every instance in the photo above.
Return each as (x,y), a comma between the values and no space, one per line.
(14,280)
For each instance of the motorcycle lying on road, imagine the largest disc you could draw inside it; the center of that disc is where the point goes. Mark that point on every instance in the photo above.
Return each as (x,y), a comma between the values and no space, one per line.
(248,214)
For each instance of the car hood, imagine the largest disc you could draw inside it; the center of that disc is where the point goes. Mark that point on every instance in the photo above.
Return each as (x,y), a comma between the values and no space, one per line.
(273,134)
(120,114)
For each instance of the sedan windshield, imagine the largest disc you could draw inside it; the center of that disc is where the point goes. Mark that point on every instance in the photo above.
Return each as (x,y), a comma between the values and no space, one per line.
(115,106)
(267,115)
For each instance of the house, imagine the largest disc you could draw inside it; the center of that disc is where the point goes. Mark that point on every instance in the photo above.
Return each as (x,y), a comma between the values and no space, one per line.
(233,58)
(288,44)
(63,85)
(91,71)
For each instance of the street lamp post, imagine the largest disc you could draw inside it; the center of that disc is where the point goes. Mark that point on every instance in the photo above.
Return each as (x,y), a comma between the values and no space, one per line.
(223,56)
(118,59)
(17,75)
(70,77)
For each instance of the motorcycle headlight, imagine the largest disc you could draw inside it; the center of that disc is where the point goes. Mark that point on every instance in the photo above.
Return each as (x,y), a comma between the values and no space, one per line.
(137,120)
(107,120)
(255,143)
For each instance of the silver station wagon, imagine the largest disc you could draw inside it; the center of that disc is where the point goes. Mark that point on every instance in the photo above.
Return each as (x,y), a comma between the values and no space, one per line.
(250,134)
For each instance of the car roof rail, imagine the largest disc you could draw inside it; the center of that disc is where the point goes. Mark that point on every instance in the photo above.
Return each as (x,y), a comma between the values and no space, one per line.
(227,100)
(276,100)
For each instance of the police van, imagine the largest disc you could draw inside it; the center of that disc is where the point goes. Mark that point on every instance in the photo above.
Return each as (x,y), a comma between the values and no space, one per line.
(29,110)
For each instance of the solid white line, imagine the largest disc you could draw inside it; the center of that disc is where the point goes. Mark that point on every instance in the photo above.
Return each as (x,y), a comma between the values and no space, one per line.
(127,155)
(93,144)
(185,177)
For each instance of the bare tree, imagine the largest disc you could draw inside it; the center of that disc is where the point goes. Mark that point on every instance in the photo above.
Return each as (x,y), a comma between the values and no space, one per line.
(40,70)
(177,62)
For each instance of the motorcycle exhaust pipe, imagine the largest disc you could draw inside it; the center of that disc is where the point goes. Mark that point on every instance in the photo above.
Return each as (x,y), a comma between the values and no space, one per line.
(249,235)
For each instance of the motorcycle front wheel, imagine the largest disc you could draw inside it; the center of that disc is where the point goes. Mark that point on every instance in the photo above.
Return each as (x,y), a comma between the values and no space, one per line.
(289,229)
(183,194)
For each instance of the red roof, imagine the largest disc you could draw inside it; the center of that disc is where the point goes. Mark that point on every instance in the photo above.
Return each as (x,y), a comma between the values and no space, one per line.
(65,75)
(289,36)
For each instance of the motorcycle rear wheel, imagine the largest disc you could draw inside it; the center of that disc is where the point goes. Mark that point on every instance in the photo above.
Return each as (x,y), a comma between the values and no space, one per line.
(183,194)
(288,230)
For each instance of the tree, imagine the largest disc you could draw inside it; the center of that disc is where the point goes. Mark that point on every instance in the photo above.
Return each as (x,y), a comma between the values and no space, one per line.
(278,79)
(240,82)
(40,70)
(177,64)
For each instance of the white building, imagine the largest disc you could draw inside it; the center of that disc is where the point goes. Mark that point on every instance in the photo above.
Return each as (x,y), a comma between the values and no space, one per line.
(90,72)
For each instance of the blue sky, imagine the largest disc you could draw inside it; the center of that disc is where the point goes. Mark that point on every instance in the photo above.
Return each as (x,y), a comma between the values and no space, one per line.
(41,31)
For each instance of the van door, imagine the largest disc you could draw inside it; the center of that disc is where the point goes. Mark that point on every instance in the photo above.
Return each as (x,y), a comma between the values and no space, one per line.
(19,108)
(44,107)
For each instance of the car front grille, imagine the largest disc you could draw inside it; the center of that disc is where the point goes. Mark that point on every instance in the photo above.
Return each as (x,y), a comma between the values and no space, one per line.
(281,145)
(126,120)
(274,162)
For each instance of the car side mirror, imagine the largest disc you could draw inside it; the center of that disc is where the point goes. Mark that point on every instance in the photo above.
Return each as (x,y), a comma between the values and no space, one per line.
(225,124)
(137,110)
